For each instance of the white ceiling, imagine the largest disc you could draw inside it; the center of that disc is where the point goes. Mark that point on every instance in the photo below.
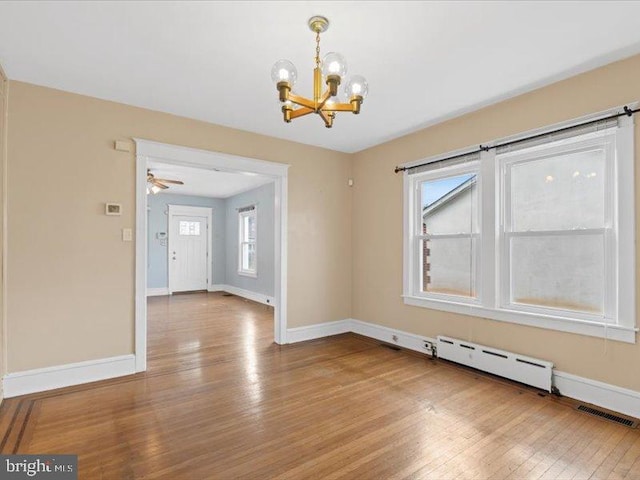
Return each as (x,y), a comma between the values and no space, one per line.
(425,61)
(206,183)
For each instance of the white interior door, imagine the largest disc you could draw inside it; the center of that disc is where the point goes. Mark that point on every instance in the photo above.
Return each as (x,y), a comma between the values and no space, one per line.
(188,253)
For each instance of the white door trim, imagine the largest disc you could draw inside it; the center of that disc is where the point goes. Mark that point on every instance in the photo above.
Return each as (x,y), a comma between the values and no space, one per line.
(192,212)
(178,155)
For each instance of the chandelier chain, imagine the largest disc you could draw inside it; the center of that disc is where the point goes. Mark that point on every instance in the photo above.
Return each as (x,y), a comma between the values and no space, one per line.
(317,49)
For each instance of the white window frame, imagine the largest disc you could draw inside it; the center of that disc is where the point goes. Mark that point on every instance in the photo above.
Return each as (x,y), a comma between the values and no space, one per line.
(241,216)
(608,232)
(619,322)
(441,173)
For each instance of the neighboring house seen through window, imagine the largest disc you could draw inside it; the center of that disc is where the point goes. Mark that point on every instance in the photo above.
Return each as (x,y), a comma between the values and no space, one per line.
(540,232)
(449,235)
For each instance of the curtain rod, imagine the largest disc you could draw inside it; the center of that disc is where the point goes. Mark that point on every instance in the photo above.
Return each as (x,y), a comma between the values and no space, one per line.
(485,148)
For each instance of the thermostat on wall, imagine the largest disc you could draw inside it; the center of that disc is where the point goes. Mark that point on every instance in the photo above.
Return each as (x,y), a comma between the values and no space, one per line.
(113,209)
(161,235)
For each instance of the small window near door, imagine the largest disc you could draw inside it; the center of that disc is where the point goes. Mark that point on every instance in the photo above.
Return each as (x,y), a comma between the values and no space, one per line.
(189,228)
(247,245)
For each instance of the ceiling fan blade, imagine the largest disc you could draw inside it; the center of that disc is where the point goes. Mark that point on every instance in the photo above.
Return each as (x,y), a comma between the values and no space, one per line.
(158,184)
(176,182)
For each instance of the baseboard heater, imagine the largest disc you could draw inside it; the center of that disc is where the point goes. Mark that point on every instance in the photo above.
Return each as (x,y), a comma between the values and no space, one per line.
(527,370)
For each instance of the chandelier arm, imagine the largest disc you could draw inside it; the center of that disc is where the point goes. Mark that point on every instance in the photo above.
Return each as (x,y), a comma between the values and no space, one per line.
(338,107)
(302,101)
(328,120)
(301,112)
(323,100)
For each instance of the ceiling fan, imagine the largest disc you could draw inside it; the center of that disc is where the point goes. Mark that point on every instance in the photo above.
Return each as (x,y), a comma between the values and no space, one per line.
(155,185)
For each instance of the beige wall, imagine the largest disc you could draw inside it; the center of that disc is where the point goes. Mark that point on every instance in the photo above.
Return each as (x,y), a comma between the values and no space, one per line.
(377,224)
(3,130)
(70,286)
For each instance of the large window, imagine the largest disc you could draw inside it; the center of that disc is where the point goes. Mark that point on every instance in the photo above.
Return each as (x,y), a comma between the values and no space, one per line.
(247,244)
(540,232)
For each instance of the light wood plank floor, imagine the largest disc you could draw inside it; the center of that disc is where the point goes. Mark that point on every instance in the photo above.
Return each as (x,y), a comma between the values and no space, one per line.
(221,401)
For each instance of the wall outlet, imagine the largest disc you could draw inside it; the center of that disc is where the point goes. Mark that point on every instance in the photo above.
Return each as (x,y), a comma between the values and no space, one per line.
(429,347)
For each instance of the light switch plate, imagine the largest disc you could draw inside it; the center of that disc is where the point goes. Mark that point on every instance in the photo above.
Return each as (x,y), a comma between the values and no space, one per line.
(127,235)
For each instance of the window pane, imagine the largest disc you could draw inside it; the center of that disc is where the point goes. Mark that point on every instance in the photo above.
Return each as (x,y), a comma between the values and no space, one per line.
(559,193)
(251,257)
(450,205)
(189,228)
(565,272)
(245,257)
(251,227)
(245,228)
(448,266)
(248,257)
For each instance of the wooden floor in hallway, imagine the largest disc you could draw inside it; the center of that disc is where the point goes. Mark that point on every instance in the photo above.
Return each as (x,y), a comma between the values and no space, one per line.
(222,401)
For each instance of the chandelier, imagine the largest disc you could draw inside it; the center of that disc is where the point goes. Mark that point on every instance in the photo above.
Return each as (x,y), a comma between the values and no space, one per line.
(331,71)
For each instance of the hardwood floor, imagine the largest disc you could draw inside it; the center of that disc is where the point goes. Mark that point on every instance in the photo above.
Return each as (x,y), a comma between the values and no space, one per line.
(221,401)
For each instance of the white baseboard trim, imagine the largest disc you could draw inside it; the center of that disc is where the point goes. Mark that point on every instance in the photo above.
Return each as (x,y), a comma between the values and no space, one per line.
(598,393)
(407,340)
(371,330)
(319,330)
(256,297)
(42,379)
(157,292)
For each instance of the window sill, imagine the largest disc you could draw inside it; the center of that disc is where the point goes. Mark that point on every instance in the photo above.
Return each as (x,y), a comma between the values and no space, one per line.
(248,274)
(581,327)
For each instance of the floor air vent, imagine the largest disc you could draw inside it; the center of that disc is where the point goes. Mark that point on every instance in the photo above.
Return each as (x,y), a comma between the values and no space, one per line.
(514,366)
(608,416)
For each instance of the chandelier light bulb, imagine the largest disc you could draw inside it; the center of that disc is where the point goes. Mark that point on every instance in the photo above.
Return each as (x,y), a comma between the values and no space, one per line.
(284,71)
(357,86)
(334,63)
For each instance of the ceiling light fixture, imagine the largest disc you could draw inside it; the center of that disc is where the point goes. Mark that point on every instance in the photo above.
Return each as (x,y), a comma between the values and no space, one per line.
(332,70)
(152,189)
(155,185)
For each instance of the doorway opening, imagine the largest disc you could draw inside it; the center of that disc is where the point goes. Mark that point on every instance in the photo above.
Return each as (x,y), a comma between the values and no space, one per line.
(201,233)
